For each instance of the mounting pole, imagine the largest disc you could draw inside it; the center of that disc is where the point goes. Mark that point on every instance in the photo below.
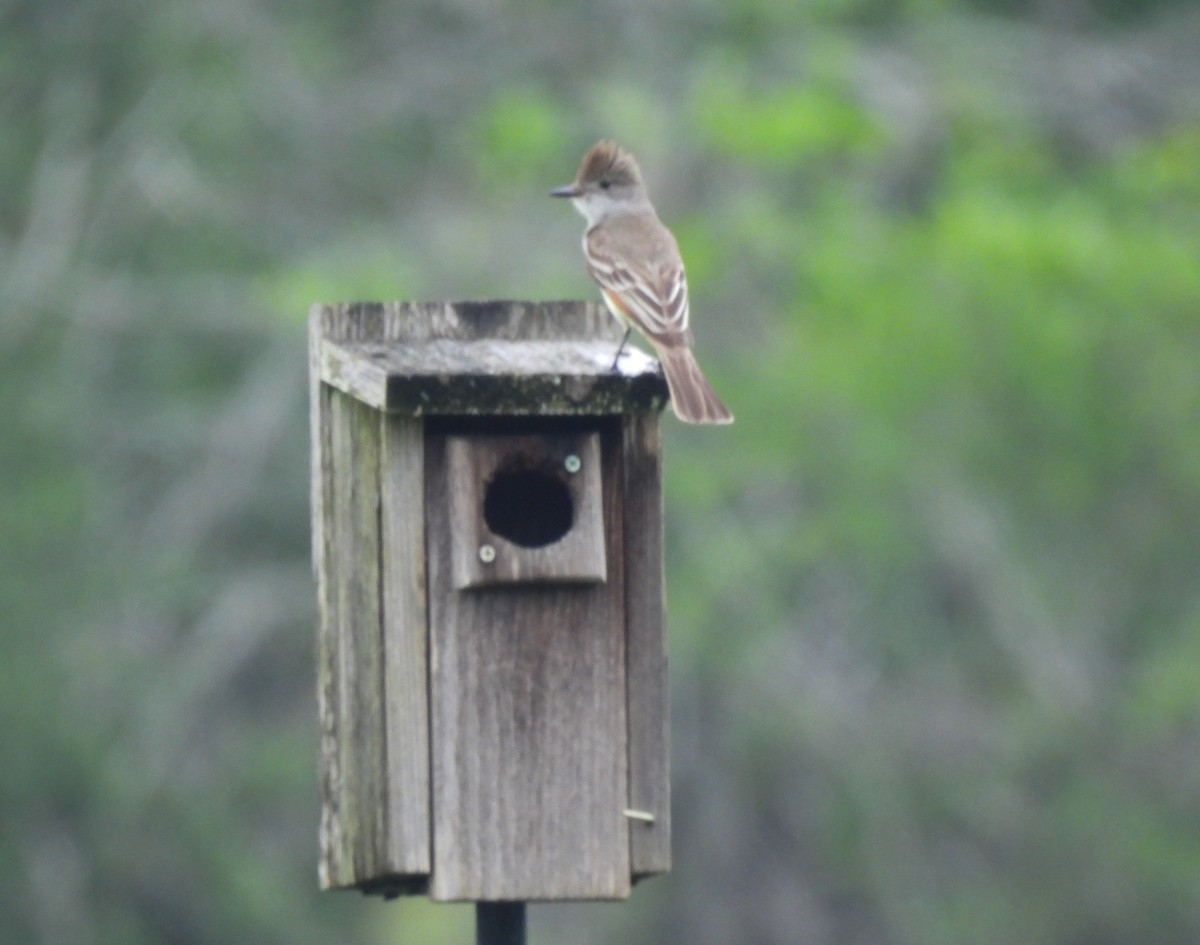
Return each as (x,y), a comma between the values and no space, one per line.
(499,923)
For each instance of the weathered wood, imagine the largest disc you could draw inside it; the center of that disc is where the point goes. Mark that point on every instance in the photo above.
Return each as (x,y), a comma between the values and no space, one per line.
(493,378)
(505,320)
(372,686)
(354,841)
(477,464)
(649,730)
(528,724)
(351,369)
(337,836)
(485,358)
(335,866)
(486,741)
(405,643)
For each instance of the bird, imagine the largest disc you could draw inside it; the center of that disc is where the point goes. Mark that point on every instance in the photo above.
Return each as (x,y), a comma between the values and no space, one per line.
(635,260)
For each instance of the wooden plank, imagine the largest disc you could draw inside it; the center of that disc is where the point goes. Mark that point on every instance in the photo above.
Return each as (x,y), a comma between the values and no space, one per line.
(361,321)
(528,719)
(405,643)
(335,863)
(478,464)
(335,868)
(372,692)
(460,358)
(486,377)
(354,835)
(498,320)
(355,372)
(649,717)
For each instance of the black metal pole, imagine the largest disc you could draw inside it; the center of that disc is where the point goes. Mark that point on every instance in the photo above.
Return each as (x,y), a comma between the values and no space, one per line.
(499,923)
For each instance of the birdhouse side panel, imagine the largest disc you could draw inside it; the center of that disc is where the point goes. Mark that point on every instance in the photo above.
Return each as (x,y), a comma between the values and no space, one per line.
(649,717)
(350,674)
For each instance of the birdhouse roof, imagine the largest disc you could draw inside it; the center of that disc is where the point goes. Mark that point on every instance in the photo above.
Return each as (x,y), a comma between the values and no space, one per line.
(483,358)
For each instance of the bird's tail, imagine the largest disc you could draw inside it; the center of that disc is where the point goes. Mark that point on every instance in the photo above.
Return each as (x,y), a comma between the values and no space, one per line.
(692,396)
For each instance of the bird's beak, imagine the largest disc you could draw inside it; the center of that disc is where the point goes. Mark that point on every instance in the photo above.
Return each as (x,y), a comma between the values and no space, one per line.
(571,190)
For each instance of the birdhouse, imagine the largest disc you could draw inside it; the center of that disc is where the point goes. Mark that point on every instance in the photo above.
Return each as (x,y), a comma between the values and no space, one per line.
(487,542)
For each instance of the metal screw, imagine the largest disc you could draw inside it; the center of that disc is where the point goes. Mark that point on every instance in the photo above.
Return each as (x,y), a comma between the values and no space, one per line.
(572,464)
(487,554)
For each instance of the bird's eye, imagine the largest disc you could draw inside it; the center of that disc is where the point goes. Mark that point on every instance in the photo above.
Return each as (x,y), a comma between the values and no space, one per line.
(605,184)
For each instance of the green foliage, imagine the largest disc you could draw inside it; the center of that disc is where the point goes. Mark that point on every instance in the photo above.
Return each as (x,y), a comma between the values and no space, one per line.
(1113,11)
(781,127)
(519,138)
(933,600)
(960,459)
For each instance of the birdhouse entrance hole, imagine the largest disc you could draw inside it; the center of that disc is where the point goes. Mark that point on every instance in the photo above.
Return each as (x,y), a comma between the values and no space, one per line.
(530,507)
(526,507)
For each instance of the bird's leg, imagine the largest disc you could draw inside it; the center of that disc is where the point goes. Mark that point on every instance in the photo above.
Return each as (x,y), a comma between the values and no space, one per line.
(621,348)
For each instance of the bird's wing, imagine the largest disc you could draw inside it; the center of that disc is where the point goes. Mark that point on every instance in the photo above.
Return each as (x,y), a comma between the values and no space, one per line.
(653,297)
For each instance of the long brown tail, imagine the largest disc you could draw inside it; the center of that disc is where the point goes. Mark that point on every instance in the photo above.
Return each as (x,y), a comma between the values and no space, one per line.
(692,396)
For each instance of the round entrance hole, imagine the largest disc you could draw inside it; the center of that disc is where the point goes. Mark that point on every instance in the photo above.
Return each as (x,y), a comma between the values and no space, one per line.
(528,507)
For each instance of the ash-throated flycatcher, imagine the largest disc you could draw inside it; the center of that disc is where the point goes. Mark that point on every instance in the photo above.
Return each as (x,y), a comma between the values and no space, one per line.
(636,262)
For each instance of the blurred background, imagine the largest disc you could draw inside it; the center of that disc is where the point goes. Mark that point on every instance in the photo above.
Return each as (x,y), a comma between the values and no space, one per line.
(934,599)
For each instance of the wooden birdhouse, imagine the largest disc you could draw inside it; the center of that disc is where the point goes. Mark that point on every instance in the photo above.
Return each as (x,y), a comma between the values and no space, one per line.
(487,541)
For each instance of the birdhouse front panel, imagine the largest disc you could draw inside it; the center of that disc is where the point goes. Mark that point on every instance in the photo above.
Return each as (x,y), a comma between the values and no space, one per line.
(527,691)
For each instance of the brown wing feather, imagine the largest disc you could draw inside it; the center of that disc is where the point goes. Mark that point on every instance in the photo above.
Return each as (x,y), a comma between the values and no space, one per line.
(654,295)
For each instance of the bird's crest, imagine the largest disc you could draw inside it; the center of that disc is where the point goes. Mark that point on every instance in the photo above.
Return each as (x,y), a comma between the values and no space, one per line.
(606,161)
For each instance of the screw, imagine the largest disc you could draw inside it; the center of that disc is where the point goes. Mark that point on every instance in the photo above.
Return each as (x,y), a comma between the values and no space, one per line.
(572,464)
(487,554)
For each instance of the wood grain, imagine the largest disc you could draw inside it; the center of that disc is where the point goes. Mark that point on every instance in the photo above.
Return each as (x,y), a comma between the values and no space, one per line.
(649,716)
(528,721)
(405,644)
(351,681)
(484,358)
(496,320)
(483,742)
(473,462)
(368,560)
